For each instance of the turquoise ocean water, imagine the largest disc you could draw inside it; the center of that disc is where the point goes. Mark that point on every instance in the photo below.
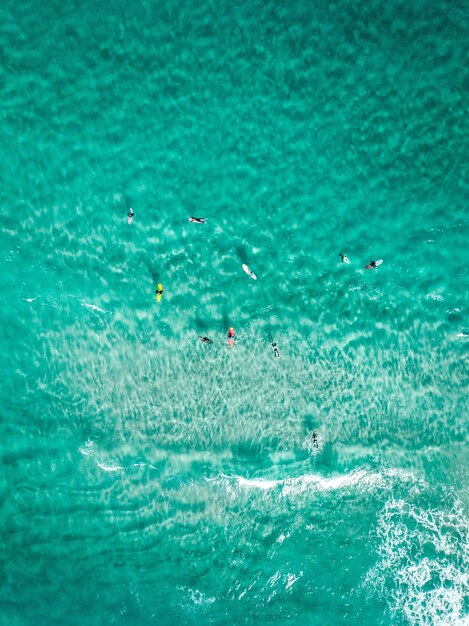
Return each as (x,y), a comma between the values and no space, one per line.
(147,478)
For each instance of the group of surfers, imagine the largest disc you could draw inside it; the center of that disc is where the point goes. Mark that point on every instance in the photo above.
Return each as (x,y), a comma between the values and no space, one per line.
(231,331)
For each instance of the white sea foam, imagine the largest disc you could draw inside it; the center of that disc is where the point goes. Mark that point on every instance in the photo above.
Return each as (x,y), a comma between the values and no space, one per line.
(87,449)
(109,468)
(316,482)
(422,571)
(257,483)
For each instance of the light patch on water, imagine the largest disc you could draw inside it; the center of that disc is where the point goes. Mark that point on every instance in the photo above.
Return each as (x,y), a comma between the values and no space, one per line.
(215,399)
(194,599)
(198,598)
(280,581)
(243,593)
(422,568)
(435,296)
(291,579)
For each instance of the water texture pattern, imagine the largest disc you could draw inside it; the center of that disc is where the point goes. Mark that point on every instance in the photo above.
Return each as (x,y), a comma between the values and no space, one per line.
(148,478)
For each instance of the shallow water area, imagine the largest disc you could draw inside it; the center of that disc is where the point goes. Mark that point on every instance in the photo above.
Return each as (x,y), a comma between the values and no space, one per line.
(149,478)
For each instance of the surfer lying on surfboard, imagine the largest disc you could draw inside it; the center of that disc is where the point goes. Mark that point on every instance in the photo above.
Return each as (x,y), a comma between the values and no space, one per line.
(344,258)
(374,264)
(248,271)
(275,349)
(198,220)
(130,216)
(159,292)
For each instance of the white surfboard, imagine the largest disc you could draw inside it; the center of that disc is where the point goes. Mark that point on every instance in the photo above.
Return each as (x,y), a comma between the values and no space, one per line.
(248,271)
(346,259)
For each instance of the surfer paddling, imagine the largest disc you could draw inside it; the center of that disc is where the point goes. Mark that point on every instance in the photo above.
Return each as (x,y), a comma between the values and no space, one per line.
(159,292)
(275,349)
(130,216)
(205,339)
(344,258)
(198,220)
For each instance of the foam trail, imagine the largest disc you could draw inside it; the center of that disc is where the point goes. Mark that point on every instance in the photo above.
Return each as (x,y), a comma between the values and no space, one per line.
(94,307)
(109,468)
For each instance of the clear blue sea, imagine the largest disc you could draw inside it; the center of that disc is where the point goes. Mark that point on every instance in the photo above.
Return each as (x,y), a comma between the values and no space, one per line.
(148,478)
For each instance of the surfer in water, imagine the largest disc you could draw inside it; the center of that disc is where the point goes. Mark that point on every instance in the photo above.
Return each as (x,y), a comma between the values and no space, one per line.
(198,220)
(130,216)
(372,264)
(205,339)
(231,336)
(275,349)
(159,291)
(344,258)
(315,439)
